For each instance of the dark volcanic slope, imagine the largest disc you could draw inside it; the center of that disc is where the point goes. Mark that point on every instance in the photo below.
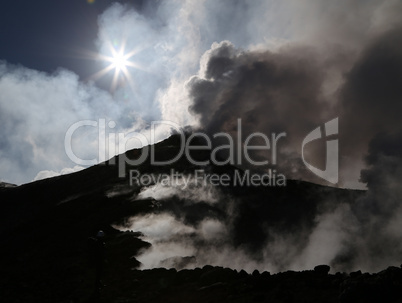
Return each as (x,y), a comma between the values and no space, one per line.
(45,224)
(218,284)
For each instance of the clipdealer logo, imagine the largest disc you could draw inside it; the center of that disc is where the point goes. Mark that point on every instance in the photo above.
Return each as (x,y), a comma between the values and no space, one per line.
(330,173)
(239,149)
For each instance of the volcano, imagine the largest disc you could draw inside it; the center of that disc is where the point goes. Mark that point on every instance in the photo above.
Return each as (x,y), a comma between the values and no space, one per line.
(46,225)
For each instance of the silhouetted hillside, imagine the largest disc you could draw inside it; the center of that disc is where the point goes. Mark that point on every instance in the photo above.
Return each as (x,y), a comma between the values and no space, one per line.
(46,224)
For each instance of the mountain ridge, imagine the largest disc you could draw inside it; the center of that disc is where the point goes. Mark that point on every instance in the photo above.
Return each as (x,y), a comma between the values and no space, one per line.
(46,223)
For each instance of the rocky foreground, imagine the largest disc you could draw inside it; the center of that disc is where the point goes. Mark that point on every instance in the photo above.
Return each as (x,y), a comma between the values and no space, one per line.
(217,284)
(67,277)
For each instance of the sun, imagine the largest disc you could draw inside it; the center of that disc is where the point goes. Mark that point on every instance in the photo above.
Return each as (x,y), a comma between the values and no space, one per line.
(119,61)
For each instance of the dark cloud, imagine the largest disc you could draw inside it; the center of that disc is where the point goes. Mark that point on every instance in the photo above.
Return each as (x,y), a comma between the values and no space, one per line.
(369,100)
(379,211)
(371,96)
(287,91)
(272,92)
(384,161)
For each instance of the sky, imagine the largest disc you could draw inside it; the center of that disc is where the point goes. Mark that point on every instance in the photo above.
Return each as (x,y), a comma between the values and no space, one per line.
(51,34)
(280,66)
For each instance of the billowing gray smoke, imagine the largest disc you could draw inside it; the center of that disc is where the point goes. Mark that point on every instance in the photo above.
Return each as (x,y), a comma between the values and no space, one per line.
(271,92)
(370,97)
(278,229)
(379,211)
(293,88)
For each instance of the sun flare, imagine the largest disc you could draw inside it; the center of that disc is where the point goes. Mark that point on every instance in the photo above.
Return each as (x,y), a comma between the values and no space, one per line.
(120,62)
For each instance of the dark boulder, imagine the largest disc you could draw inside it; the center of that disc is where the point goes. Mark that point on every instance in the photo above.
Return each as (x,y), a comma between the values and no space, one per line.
(322,269)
